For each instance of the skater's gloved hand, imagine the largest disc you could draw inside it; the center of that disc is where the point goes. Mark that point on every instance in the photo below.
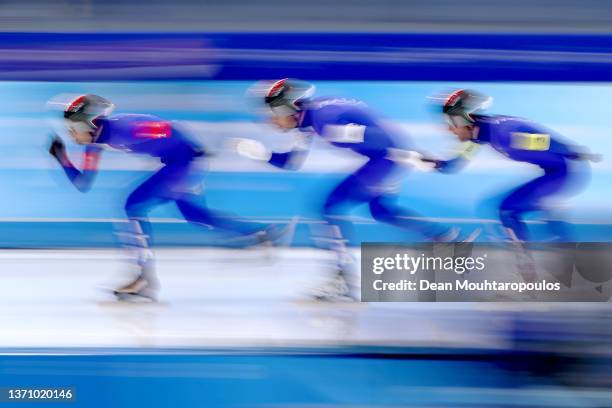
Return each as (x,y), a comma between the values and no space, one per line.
(249,148)
(57,148)
(592,157)
(411,158)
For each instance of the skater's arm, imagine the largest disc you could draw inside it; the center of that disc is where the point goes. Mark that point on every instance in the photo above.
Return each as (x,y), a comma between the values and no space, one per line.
(81,179)
(458,162)
(291,160)
(412,159)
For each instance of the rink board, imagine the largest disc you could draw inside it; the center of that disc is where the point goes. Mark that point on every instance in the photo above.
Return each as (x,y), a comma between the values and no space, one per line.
(301,379)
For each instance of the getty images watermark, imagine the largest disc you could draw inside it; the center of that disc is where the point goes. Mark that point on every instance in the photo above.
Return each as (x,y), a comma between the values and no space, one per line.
(481,272)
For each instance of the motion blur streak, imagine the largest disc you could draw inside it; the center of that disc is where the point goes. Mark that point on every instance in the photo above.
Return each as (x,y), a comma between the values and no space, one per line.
(236,327)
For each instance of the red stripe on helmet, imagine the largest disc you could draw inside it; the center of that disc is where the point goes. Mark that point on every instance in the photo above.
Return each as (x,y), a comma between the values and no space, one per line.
(452,98)
(75,104)
(275,87)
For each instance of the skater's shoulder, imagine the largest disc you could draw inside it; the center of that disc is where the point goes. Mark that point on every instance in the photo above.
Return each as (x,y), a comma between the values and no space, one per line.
(334,104)
(327,111)
(133,126)
(131,118)
(505,122)
(500,127)
(496,120)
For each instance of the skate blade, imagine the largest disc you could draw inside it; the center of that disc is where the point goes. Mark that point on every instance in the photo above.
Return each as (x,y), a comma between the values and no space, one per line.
(134,297)
(335,298)
(286,237)
(472,237)
(347,303)
(114,303)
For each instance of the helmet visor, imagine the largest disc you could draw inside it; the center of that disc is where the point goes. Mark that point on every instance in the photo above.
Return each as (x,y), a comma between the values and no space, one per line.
(455,121)
(282,110)
(78,127)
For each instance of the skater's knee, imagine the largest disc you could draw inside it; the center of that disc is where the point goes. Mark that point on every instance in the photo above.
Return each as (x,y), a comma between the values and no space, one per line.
(331,207)
(195,213)
(380,210)
(338,200)
(187,209)
(135,206)
(135,210)
(182,205)
(509,216)
(331,211)
(132,210)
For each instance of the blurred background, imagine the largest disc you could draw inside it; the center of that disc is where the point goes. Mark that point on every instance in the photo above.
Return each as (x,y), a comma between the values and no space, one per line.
(233,328)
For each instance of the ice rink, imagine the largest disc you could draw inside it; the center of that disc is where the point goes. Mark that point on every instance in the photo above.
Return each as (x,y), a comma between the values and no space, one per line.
(232,320)
(228,298)
(209,298)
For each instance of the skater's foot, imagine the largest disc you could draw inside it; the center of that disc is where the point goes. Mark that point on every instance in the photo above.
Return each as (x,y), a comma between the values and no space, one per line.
(450,235)
(278,235)
(141,287)
(471,237)
(335,290)
(526,267)
(455,235)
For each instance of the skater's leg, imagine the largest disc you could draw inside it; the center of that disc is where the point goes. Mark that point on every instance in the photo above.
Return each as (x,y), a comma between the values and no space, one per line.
(148,195)
(138,235)
(529,198)
(384,208)
(185,190)
(194,210)
(338,230)
(358,188)
(334,234)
